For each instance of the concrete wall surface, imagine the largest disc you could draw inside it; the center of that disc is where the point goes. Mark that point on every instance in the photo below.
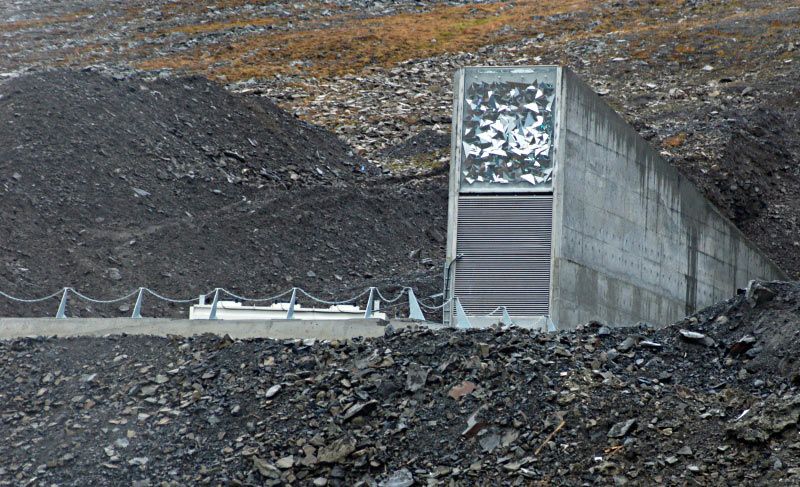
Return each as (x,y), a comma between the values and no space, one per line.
(633,239)
(278,329)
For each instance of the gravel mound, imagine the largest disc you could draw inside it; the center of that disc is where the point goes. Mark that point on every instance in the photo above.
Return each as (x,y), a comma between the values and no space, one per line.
(423,143)
(333,242)
(759,178)
(87,131)
(111,183)
(707,400)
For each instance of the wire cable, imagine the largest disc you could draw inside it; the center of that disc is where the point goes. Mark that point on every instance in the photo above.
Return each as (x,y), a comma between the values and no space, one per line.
(177,301)
(433,308)
(103,301)
(256,300)
(389,301)
(495,310)
(332,303)
(32,300)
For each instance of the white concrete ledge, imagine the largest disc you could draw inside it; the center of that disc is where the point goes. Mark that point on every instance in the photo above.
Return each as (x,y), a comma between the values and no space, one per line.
(279,329)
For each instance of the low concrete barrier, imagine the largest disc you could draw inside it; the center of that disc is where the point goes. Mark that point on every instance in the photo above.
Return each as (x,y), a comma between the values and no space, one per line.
(279,329)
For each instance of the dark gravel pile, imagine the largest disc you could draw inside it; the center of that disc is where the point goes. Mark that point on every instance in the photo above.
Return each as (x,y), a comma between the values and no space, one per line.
(111,183)
(755,179)
(76,133)
(425,142)
(709,400)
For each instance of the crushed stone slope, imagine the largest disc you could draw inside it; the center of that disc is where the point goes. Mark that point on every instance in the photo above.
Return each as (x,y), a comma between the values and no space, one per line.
(108,184)
(708,400)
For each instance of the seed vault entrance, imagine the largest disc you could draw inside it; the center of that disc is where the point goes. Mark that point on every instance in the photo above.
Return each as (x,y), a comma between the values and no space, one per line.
(560,213)
(501,194)
(504,244)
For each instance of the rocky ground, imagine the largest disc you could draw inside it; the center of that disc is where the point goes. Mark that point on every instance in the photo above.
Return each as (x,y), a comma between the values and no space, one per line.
(185,145)
(111,183)
(710,400)
(712,84)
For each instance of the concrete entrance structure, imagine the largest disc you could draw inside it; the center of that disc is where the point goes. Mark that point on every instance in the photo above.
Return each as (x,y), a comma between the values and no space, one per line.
(563,214)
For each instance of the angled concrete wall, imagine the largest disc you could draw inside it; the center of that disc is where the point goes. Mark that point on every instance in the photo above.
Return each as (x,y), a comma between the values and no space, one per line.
(633,240)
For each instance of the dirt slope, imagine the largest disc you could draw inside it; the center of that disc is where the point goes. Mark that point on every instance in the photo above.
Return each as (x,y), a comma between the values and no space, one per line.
(596,406)
(109,184)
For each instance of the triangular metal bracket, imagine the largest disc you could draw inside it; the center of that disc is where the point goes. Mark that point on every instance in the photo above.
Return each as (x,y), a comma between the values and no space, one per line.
(137,308)
(461,316)
(550,325)
(414,311)
(506,317)
(213,314)
(61,314)
(290,312)
(368,312)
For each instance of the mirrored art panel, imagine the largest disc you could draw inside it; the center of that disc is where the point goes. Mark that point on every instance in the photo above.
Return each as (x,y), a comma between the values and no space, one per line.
(507,129)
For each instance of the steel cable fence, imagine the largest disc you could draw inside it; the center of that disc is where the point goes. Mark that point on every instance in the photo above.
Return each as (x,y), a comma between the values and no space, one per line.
(372,294)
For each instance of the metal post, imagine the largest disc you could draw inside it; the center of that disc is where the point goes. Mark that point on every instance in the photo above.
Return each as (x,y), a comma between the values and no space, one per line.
(461,316)
(448,267)
(62,307)
(414,311)
(368,312)
(137,308)
(506,317)
(213,314)
(290,313)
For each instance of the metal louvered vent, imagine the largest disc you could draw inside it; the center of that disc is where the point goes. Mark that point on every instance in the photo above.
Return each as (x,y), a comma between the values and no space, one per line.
(505,243)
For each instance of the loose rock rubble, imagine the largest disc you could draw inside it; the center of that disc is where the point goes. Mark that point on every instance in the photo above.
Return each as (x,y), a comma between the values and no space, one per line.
(186,130)
(111,183)
(502,406)
(726,116)
(709,400)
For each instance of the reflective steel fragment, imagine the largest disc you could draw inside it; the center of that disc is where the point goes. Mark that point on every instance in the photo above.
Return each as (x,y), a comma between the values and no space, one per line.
(508,133)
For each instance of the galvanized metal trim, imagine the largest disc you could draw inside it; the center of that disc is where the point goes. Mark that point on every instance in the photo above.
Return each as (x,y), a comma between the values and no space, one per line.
(505,244)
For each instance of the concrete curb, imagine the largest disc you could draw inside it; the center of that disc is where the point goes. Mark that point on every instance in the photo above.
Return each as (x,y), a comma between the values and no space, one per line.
(278,329)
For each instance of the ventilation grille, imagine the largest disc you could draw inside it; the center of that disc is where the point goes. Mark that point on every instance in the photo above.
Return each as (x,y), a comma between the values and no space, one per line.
(505,247)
